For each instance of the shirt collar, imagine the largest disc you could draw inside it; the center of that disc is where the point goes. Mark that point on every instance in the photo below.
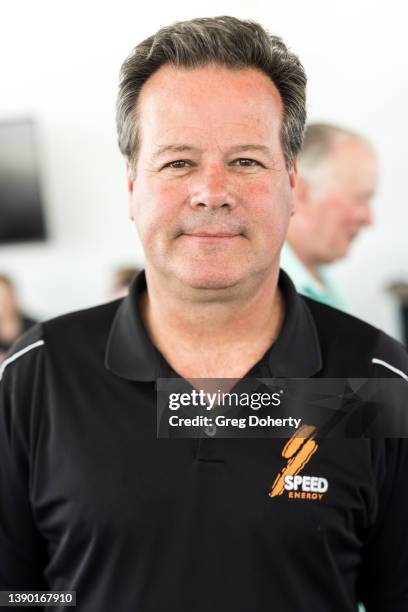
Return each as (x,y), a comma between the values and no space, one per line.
(296,353)
(325,292)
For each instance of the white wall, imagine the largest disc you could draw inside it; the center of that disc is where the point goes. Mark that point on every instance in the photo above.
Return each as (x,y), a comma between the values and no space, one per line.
(59,63)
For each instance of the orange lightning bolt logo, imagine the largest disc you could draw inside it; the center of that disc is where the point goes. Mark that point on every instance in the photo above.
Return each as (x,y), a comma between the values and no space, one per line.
(298,450)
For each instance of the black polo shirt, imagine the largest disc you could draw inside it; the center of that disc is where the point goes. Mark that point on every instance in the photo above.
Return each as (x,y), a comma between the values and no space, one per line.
(92,501)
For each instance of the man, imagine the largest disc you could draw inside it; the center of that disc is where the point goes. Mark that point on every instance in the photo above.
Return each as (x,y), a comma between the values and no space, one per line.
(210,120)
(333,194)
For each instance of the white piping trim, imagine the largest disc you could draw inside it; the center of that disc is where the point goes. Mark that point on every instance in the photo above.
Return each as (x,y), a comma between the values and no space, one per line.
(6,362)
(390,367)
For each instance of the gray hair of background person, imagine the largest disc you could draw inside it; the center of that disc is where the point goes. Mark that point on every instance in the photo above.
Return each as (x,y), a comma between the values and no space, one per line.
(318,141)
(227,41)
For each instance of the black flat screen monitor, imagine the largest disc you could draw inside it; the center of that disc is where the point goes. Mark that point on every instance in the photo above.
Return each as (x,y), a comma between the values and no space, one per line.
(21,208)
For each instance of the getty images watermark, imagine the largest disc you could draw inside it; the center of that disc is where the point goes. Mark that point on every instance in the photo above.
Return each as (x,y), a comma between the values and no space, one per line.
(266,407)
(225,399)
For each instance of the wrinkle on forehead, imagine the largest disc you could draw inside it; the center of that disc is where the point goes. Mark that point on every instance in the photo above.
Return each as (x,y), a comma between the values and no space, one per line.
(247,92)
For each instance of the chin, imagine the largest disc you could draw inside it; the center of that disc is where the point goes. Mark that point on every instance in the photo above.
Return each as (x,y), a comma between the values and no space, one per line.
(210,279)
(344,252)
(335,254)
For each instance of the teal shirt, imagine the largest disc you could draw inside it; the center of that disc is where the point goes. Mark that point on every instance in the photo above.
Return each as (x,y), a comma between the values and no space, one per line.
(306,284)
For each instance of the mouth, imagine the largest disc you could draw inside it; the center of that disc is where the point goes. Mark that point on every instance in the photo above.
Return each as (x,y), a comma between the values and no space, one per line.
(212,235)
(212,238)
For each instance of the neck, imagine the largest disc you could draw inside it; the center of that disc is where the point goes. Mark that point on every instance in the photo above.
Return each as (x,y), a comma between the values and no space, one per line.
(217,333)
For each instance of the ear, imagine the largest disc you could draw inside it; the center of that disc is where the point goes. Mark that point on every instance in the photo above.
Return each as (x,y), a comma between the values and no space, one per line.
(129,177)
(293,175)
(293,178)
(130,184)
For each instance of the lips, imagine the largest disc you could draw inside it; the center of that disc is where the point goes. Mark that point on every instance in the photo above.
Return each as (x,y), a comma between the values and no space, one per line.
(212,232)
(212,235)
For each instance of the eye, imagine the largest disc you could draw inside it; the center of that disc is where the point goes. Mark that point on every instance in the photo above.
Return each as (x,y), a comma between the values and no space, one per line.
(245,162)
(178,164)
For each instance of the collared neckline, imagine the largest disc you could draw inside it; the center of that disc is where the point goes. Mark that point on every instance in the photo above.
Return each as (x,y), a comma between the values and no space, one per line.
(325,292)
(296,353)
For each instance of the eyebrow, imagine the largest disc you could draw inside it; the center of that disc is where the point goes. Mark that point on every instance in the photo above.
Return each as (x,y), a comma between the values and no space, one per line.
(183,148)
(173,148)
(251,147)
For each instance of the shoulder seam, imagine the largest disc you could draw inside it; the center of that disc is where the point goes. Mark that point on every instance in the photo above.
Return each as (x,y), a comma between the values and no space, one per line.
(23,351)
(390,367)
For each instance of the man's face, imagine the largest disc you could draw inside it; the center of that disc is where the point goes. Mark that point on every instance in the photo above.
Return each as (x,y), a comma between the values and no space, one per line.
(210,194)
(340,198)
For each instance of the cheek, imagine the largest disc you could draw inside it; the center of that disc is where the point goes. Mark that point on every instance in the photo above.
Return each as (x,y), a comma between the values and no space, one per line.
(267,210)
(267,199)
(330,218)
(342,211)
(154,207)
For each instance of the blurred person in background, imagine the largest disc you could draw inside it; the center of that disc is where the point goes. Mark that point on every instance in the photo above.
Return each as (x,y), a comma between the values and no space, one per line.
(333,194)
(13,322)
(122,278)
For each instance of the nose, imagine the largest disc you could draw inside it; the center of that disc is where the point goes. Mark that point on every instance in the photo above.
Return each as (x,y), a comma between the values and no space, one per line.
(211,188)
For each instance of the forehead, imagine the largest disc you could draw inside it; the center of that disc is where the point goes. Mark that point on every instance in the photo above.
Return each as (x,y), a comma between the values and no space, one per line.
(352,160)
(349,148)
(209,98)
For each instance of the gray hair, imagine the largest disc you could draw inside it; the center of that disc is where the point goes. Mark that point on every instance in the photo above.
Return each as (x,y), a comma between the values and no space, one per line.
(318,142)
(227,41)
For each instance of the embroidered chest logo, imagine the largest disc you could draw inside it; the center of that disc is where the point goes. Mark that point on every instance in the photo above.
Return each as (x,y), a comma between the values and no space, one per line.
(299,450)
